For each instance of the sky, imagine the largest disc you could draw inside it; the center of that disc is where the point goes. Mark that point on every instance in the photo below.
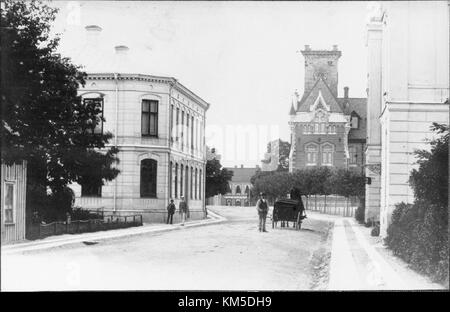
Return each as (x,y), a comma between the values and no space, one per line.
(241,57)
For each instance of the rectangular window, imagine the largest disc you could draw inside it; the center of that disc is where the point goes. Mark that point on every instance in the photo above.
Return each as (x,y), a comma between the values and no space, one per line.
(148,178)
(95,126)
(181,180)
(177,123)
(192,133)
(149,120)
(188,119)
(196,185)
(200,185)
(176,181)
(192,184)
(91,190)
(172,113)
(9,201)
(353,155)
(182,130)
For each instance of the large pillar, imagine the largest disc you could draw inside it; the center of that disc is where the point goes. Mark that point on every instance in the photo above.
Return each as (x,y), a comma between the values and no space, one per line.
(374,103)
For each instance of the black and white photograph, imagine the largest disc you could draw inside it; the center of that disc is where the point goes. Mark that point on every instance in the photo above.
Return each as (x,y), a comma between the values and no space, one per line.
(224,146)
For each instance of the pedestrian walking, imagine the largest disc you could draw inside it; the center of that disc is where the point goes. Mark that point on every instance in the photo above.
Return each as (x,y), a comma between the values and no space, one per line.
(170,211)
(263,207)
(183,210)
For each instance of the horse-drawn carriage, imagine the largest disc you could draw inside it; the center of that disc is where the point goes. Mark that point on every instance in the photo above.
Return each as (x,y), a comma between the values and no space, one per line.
(288,210)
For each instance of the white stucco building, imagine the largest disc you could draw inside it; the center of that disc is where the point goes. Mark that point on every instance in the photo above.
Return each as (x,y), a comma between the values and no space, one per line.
(158,125)
(408,90)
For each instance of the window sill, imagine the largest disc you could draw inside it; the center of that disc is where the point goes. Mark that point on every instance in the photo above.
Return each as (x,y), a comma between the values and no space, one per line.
(311,165)
(149,197)
(91,196)
(149,136)
(9,223)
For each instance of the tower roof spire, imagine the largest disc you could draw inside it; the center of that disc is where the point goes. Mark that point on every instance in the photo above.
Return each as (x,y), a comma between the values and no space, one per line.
(292,111)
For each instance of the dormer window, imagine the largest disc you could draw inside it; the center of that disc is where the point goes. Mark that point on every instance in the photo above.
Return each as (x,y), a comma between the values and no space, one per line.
(354,122)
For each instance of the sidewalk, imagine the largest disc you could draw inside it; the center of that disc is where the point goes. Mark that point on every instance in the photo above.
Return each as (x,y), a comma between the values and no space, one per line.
(361,262)
(66,239)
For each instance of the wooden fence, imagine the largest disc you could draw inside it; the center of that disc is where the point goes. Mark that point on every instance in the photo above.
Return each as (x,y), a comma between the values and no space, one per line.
(83,226)
(331,204)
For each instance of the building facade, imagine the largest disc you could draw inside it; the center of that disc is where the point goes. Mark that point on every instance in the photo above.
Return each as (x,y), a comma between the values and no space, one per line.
(272,157)
(408,91)
(13,202)
(326,130)
(240,187)
(158,125)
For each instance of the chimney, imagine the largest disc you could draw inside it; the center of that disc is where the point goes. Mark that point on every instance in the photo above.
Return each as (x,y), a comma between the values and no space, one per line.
(92,34)
(121,58)
(345,92)
(307,48)
(335,47)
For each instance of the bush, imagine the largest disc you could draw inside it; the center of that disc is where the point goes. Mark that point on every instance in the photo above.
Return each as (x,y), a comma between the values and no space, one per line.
(418,233)
(375,231)
(79,213)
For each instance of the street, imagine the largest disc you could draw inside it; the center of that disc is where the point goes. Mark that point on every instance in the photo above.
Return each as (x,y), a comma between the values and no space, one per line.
(232,255)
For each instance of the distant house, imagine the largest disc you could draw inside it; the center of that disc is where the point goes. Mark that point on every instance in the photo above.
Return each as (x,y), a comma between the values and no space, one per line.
(13,202)
(240,186)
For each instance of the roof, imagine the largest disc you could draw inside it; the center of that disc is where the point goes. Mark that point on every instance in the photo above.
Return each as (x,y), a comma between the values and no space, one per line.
(242,174)
(359,106)
(309,98)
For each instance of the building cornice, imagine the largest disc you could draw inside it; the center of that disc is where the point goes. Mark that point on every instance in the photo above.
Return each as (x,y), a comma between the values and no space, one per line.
(156,79)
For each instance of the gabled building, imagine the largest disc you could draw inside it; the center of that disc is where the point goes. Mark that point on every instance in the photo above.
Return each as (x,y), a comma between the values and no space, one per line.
(326,130)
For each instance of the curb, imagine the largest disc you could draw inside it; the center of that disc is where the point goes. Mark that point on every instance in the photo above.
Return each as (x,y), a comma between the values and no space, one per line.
(105,235)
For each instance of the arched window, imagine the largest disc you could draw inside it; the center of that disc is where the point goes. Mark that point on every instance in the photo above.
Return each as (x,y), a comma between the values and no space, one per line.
(191,190)
(196,185)
(311,154)
(237,202)
(247,190)
(176,180)
(327,154)
(181,179)
(148,177)
(170,179)
(316,128)
(238,189)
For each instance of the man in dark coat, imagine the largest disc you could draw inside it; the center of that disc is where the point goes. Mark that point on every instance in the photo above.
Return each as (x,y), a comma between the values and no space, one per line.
(263,207)
(170,211)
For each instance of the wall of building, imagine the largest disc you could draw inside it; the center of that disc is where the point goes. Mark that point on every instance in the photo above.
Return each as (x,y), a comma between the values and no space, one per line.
(16,175)
(415,81)
(173,144)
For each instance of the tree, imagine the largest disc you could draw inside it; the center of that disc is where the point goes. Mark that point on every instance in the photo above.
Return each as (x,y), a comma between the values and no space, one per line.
(418,233)
(276,185)
(430,180)
(44,121)
(217,178)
